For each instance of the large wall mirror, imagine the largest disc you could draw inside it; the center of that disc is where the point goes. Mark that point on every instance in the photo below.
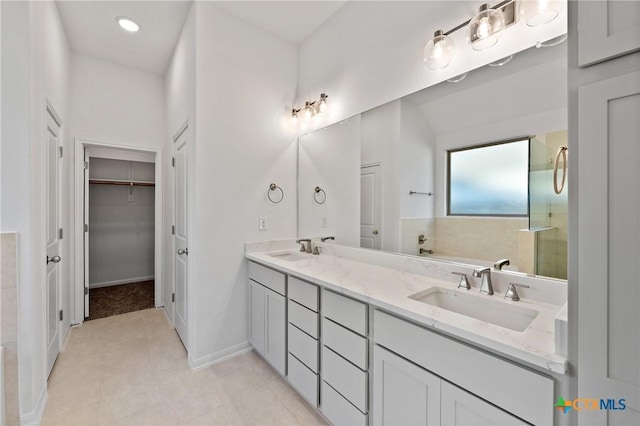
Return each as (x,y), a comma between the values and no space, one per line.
(460,171)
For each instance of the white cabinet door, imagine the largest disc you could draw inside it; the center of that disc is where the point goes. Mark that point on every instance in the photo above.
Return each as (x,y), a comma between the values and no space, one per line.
(403,393)
(459,407)
(609,250)
(257,331)
(275,349)
(607,29)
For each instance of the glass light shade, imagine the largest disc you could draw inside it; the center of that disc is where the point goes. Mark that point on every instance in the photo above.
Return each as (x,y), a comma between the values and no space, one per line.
(294,116)
(539,12)
(486,28)
(307,111)
(439,51)
(322,103)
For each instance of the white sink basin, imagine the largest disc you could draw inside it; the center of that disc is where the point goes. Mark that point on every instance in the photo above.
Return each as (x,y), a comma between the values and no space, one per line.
(482,308)
(289,256)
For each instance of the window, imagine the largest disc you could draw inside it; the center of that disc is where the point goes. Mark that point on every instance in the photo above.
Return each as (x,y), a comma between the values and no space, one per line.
(489,180)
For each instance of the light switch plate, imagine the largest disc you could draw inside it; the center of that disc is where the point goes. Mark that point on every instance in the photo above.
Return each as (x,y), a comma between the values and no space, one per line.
(262,223)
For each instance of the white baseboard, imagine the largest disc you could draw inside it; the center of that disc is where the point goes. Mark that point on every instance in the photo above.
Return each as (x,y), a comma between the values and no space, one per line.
(220,356)
(35,417)
(118,282)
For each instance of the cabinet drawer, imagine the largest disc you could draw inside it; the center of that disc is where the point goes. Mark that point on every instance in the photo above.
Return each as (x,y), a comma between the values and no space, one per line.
(304,347)
(304,293)
(347,312)
(338,410)
(346,378)
(304,380)
(268,277)
(523,392)
(303,318)
(345,342)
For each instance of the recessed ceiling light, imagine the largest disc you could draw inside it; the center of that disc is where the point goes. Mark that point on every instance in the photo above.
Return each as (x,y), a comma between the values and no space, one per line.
(128,24)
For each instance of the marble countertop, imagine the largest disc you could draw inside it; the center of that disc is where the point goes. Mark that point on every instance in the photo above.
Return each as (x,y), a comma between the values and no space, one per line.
(389,289)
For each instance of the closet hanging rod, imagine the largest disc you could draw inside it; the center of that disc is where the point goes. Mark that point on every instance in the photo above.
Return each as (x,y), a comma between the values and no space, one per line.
(121,182)
(421,193)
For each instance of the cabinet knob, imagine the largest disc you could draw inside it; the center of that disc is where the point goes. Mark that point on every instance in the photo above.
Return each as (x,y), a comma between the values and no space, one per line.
(375,232)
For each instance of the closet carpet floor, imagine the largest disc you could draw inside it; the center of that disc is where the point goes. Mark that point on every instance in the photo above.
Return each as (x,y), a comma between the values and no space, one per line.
(120,299)
(132,369)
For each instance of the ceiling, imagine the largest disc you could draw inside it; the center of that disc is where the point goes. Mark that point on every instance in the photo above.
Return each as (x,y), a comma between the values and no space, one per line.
(92,29)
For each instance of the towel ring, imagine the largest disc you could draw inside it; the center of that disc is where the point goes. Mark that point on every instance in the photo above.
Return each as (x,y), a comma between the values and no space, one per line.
(316,191)
(562,151)
(274,187)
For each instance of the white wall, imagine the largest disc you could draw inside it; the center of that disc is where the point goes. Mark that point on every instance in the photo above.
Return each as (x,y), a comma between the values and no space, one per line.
(180,104)
(379,60)
(114,104)
(35,56)
(330,158)
(243,141)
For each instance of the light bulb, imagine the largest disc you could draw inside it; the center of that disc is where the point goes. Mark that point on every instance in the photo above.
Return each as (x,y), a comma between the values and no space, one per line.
(485,28)
(294,117)
(539,12)
(439,51)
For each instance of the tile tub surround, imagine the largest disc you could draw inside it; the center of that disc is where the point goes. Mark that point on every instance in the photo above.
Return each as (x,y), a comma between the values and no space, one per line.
(385,280)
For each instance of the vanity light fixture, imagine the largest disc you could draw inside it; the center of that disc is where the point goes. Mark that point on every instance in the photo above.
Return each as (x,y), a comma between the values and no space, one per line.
(439,51)
(539,12)
(128,24)
(310,109)
(486,28)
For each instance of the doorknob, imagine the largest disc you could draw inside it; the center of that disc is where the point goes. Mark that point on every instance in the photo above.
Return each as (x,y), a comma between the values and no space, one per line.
(54,259)
(185,251)
(375,232)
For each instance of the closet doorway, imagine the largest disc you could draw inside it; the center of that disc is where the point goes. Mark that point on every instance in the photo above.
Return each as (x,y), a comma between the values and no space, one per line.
(120,239)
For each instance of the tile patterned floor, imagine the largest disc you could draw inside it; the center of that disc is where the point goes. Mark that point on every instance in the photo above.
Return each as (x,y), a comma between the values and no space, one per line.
(131,369)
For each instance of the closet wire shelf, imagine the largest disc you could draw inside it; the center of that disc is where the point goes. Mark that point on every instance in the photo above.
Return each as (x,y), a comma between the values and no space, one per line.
(121,182)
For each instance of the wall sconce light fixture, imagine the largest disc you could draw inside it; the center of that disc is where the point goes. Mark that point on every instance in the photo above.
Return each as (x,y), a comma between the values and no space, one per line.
(486,28)
(310,108)
(539,12)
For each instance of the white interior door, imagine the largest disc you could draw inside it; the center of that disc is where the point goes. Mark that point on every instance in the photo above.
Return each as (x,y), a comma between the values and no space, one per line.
(180,237)
(53,241)
(370,207)
(86,233)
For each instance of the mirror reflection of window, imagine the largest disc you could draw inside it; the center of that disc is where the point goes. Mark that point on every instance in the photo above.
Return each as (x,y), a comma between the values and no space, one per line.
(490,180)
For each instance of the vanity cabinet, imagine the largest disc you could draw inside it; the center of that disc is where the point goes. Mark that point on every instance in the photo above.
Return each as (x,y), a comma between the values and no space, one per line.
(403,393)
(345,376)
(267,313)
(483,381)
(303,346)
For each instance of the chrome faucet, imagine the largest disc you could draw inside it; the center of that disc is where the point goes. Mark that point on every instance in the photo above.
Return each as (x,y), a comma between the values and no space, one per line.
(323,239)
(464,282)
(501,264)
(304,248)
(485,286)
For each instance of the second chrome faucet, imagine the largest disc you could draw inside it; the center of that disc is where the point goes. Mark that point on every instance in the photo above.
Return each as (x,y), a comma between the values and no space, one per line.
(485,287)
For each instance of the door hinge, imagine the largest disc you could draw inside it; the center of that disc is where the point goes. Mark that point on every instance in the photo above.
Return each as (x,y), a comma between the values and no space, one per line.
(86,165)
(173,230)
(86,291)
(60,233)
(61,314)
(173,161)
(173,297)
(60,151)
(86,227)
